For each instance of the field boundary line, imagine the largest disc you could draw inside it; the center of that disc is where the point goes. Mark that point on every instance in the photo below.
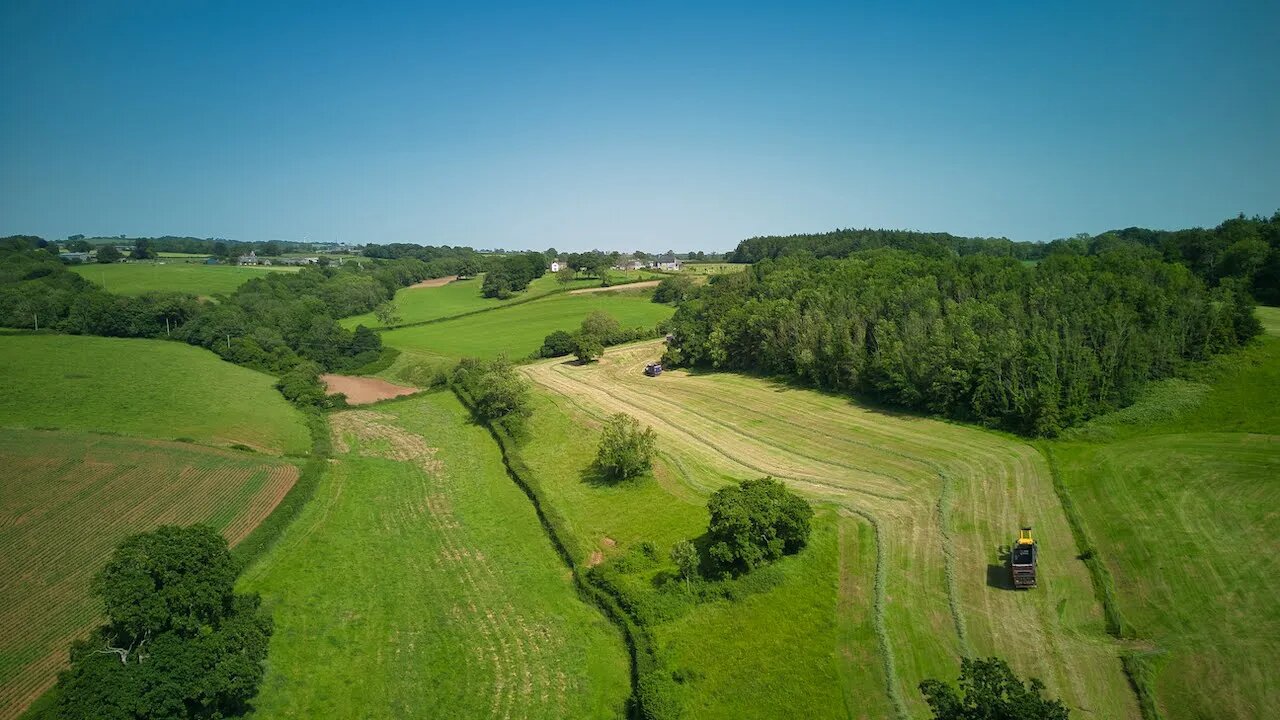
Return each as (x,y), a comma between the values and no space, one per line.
(1136,666)
(513,303)
(641,649)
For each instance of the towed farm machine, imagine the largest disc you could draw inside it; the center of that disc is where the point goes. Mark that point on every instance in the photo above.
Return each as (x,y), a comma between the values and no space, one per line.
(1022,560)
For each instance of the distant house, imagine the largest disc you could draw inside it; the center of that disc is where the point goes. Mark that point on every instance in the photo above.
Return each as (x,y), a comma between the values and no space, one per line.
(73,257)
(631,265)
(667,262)
(557,264)
(250,259)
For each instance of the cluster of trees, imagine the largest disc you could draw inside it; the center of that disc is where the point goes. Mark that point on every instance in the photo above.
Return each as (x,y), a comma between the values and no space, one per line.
(755,522)
(511,274)
(441,261)
(984,338)
(626,450)
(840,243)
(674,289)
(1241,248)
(498,393)
(283,323)
(178,641)
(597,331)
(989,690)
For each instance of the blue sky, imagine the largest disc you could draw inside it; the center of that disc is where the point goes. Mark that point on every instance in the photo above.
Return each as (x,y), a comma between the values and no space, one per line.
(632,125)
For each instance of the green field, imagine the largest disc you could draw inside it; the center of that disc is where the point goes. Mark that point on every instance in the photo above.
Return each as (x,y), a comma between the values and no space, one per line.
(147,388)
(1179,493)
(419,583)
(698,268)
(1270,317)
(416,305)
(519,330)
(67,499)
(136,278)
(933,501)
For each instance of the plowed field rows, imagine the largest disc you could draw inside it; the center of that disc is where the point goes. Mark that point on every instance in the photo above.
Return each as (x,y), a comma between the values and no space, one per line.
(66,500)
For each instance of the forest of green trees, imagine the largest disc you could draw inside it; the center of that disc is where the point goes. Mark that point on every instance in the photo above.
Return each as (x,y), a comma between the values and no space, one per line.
(991,339)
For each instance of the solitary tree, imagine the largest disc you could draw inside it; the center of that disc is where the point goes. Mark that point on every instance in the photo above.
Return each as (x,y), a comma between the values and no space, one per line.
(989,690)
(625,449)
(755,522)
(587,346)
(387,313)
(565,275)
(178,642)
(685,555)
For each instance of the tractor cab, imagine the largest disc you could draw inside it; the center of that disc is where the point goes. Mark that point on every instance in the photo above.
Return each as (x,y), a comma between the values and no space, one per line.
(653,369)
(1022,560)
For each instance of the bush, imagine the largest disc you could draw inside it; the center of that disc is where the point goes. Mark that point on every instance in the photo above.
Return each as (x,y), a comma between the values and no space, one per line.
(498,392)
(755,522)
(625,450)
(557,344)
(674,290)
(587,347)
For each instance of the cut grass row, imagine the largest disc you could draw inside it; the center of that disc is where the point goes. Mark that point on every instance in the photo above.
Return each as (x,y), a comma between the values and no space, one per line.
(419,583)
(945,582)
(137,278)
(146,388)
(66,500)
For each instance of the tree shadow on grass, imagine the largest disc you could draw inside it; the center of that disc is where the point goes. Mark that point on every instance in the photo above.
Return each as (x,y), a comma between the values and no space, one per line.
(998,575)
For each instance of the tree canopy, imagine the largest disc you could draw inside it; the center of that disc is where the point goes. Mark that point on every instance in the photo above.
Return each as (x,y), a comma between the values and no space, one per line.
(178,641)
(989,690)
(755,522)
(625,449)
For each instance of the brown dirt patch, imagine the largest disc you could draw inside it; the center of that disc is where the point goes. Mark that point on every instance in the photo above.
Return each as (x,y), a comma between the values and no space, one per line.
(609,542)
(626,286)
(364,390)
(434,282)
(597,557)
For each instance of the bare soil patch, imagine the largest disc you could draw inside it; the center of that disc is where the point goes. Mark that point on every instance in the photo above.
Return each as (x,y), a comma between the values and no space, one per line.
(434,282)
(364,390)
(627,286)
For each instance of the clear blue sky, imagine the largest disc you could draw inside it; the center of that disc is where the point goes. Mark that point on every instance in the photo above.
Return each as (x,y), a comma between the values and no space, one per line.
(627,125)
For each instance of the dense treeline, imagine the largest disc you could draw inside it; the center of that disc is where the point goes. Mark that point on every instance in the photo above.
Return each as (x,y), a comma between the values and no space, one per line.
(511,274)
(441,261)
(1034,349)
(1244,248)
(283,323)
(840,243)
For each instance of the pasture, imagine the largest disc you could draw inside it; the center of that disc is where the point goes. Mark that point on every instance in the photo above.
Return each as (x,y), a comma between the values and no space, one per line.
(424,304)
(148,388)
(712,268)
(932,502)
(1179,493)
(518,330)
(136,278)
(419,583)
(67,499)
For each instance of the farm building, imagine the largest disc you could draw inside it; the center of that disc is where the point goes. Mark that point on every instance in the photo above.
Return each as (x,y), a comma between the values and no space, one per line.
(250,259)
(629,265)
(73,257)
(667,262)
(557,264)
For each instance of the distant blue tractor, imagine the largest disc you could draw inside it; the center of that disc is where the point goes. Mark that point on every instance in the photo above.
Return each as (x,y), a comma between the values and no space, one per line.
(653,369)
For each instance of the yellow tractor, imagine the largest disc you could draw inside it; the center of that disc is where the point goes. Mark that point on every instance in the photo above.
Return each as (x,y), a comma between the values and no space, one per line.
(1022,560)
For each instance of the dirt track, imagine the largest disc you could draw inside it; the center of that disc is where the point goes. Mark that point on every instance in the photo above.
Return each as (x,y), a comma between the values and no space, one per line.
(364,390)
(434,282)
(627,286)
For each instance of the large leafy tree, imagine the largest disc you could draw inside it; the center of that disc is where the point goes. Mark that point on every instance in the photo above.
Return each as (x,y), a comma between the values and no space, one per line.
(989,690)
(755,522)
(178,641)
(625,449)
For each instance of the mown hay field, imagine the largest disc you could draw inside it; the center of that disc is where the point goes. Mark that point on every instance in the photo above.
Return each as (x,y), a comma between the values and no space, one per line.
(933,502)
(136,278)
(418,582)
(1179,496)
(519,330)
(67,499)
(148,388)
(712,268)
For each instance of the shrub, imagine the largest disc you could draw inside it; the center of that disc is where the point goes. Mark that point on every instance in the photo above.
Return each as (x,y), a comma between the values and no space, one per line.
(755,522)
(498,392)
(673,290)
(625,450)
(557,344)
